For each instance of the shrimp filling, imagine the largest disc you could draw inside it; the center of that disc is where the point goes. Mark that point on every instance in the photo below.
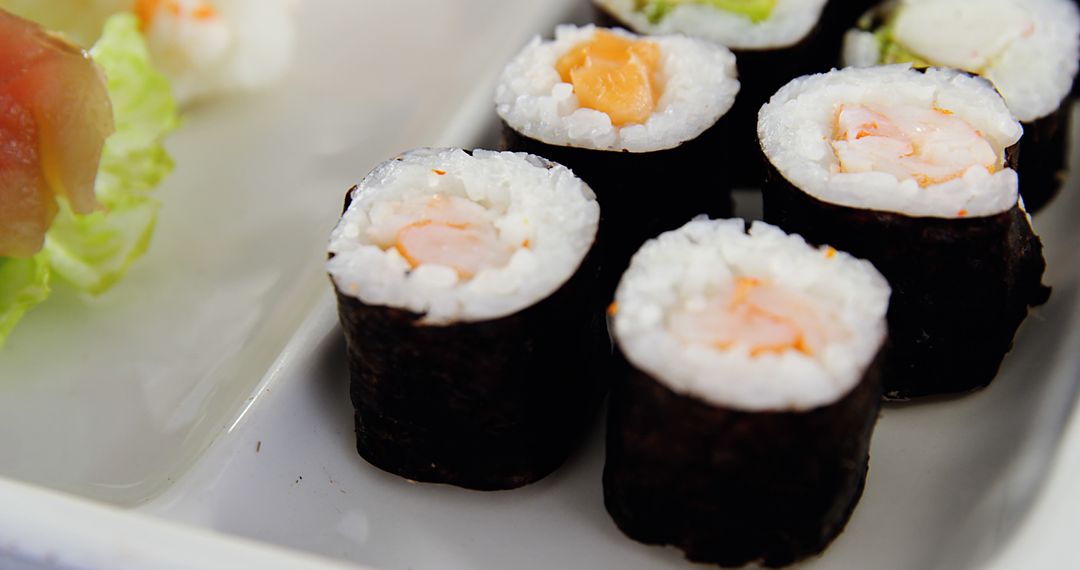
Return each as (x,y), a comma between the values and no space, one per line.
(930,146)
(440,229)
(757,317)
(614,75)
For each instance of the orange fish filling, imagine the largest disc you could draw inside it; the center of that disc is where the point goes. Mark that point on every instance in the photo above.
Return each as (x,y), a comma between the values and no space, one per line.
(614,75)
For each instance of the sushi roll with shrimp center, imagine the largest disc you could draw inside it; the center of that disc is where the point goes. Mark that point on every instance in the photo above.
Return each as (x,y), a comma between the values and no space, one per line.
(463,284)
(913,170)
(1029,50)
(740,427)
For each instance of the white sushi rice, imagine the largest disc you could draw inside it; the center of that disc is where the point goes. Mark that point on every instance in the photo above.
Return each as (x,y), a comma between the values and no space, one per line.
(787,25)
(684,267)
(1029,49)
(699,86)
(796,130)
(531,199)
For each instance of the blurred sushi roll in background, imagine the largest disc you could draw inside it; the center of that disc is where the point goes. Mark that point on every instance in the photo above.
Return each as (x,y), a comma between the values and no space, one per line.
(739,428)
(204,47)
(912,170)
(1027,48)
(463,284)
(773,41)
(642,121)
(207,47)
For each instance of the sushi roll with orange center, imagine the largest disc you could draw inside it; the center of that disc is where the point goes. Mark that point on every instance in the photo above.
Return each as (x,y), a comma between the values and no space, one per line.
(632,116)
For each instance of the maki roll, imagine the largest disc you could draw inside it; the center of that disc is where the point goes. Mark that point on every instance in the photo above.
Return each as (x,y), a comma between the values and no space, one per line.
(773,41)
(463,285)
(740,427)
(632,117)
(1027,48)
(912,171)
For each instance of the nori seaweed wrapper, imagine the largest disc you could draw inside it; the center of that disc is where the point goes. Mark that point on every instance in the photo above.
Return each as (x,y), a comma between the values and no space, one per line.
(839,17)
(842,15)
(731,487)
(643,194)
(762,72)
(484,405)
(960,287)
(1044,152)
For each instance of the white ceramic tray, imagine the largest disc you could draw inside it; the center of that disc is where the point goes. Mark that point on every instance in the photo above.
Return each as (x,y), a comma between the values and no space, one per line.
(209,388)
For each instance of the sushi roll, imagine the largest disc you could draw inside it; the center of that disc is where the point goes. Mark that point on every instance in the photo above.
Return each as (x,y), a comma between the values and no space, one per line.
(633,117)
(463,285)
(739,430)
(209,47)
(773,41)
(912,170)
(1027,48)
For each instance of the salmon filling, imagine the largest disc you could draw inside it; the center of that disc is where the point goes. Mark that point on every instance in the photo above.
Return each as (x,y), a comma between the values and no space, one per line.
(441,230)
(930,146)
(755,316)
(614,75)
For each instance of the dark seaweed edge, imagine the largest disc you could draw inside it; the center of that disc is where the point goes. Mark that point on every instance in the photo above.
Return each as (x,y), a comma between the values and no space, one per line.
(732,487)
(642,195)
(1044,156)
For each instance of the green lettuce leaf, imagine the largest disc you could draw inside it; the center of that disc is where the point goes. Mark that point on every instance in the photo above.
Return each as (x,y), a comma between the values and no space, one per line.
(23,284)
(134,159)
(92,252)
(893,51)
(755,10)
